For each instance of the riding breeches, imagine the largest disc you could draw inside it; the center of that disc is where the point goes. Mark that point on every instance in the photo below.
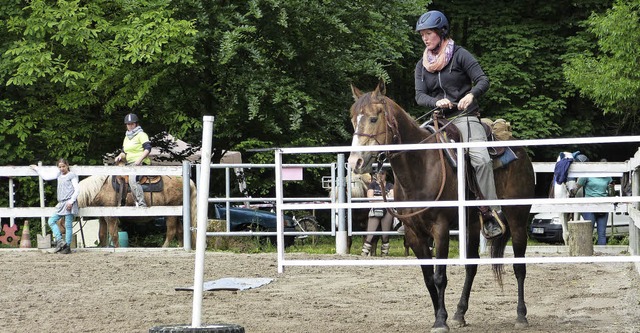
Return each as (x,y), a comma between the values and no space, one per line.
(136,190)
(471,130)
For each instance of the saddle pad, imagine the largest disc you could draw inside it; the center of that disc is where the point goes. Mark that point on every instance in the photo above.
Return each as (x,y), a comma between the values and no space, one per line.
(153,187)
(231,284)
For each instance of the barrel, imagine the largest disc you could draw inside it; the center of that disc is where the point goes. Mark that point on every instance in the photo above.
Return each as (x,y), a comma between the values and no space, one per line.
(123,238)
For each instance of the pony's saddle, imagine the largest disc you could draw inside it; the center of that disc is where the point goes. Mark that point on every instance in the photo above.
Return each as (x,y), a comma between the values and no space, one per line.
(501,156)
(149,184)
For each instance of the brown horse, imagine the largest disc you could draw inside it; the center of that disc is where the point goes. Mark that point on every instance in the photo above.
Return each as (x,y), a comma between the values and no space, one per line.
(98,191)
(425,175)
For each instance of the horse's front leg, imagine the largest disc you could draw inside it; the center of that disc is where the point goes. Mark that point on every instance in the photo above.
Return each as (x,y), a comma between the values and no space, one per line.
(435,278)
(102,232)
(564,220)
(470,273)
(440,281)
(172,229)
(112,223)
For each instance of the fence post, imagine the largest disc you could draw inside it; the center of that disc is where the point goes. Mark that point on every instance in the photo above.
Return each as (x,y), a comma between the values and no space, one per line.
(634,232)
(41,189)
(186,205)
(341,234)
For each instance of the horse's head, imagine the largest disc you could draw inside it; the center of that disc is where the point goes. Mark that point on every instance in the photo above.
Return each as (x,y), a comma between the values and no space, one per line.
(370,118)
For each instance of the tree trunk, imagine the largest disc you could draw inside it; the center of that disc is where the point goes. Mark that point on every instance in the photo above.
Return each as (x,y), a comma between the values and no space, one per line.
(580,238)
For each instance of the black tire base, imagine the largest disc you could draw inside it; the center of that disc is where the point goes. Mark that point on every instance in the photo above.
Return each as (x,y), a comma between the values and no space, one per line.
(206,328)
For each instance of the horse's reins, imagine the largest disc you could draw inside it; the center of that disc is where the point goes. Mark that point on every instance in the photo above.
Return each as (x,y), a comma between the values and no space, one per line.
(393,124)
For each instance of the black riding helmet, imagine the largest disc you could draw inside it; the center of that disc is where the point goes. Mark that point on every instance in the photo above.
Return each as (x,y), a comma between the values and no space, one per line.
(130,118)
(435,20)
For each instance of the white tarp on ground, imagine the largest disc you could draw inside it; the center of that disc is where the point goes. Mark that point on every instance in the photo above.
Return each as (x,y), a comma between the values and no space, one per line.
(232,284)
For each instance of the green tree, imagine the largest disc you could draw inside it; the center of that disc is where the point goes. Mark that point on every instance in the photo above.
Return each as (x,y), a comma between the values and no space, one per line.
(521,46)
(605,65)
(71,68)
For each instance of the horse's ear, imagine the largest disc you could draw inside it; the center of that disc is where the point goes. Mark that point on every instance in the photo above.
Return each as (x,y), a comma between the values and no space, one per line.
(382,87)
(356,92)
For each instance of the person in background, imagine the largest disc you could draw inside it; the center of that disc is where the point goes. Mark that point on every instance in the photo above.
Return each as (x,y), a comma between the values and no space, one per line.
(67,206)
(135,151)
(449,77)
(379,216)
(596,187)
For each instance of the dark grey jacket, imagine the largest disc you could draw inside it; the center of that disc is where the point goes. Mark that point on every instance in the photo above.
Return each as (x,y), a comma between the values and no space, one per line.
(460,76)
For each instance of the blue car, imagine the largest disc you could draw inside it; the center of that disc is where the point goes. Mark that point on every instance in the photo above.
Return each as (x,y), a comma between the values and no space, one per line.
(247,219)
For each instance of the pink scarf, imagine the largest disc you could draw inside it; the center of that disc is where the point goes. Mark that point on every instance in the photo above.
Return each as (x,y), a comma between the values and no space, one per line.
(435,62)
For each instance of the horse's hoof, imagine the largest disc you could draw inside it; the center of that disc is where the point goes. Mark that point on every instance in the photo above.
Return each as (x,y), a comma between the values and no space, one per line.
(458,322)
(522,323)
(443,329)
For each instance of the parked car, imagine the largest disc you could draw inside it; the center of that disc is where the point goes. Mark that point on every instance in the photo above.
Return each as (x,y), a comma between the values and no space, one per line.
(247,219)
(546,227)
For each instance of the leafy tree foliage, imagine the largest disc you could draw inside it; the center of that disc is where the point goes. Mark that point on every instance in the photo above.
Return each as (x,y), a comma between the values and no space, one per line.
(276,73)
(72,68)
(273,72)
(520,46)
(605,66)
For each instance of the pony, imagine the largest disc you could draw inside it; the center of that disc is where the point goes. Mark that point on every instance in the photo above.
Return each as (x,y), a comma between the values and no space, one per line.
(359,186)
(98,190)
(426,175)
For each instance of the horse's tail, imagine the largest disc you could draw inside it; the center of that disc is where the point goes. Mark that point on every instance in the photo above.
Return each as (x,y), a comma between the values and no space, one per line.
(194,213)
(497,246)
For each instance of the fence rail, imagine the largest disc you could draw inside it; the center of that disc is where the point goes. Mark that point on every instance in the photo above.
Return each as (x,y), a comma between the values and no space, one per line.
(12,212)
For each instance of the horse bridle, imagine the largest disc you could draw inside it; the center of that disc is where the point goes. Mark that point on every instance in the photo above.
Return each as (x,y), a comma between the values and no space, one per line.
(392,124)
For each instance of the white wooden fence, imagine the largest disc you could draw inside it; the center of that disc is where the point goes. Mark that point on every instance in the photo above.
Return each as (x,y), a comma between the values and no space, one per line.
(43,211)
(572,204)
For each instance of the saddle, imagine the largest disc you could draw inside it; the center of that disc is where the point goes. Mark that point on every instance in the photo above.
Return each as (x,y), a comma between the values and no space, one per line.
(501,156)
(121,186)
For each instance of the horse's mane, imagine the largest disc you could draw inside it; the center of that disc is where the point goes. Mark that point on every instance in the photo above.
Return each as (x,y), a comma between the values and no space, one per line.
(359,185)
(89,188)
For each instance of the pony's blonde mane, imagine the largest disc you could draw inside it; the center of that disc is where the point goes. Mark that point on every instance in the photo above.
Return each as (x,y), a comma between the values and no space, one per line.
(359,185)
(89,188)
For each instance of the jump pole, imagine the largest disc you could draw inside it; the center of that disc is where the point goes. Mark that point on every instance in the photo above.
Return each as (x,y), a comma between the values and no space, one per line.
(203,204)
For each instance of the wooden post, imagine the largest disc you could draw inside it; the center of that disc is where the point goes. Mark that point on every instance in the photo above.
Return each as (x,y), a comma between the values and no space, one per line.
(580,238)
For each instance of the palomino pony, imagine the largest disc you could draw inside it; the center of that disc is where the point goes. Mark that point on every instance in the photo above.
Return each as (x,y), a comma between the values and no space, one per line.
(359,186)
(426,175)
(98,191)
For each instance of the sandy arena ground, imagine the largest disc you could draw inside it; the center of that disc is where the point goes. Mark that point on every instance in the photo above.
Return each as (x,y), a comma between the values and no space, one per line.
(132,291)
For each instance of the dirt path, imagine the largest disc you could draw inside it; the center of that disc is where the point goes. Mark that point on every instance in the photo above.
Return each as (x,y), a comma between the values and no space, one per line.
(90,291)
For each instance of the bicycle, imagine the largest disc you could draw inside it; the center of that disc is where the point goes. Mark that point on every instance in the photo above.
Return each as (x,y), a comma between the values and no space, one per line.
(307,224)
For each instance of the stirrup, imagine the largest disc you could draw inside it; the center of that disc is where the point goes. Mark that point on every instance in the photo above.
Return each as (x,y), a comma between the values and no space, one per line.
(366,249)
(384,249)
(491,220)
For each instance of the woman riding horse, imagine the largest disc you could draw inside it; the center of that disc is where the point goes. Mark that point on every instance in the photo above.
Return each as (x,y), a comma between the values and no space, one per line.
(426,175)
